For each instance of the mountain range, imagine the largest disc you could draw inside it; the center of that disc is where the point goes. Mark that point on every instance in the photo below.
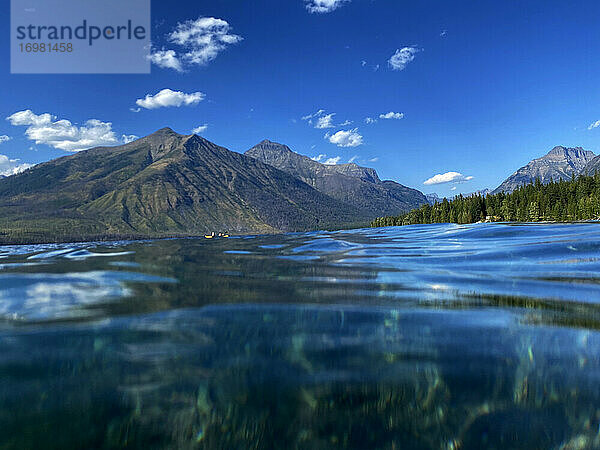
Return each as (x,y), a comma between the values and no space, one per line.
(560,163)
(351,184)
(170,184)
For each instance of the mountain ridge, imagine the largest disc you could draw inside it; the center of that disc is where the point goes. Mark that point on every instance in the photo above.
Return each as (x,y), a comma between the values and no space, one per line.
(560,163)
(162,184)
(350,183)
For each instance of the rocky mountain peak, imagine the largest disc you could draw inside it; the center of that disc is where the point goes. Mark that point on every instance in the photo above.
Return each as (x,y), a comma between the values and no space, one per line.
(271,147)
(350,183)
(560,163)
(569,153)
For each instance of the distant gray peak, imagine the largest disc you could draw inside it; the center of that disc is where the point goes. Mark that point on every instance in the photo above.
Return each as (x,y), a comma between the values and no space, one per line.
(166,131)
(560,163)
(271,144)
(350,183)
(562,149)
(568,153)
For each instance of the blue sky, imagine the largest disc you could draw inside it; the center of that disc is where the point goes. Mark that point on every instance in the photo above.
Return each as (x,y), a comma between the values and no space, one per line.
(480,88)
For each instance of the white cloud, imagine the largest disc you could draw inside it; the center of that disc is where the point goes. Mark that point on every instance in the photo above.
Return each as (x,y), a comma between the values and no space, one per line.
(325,121)
(444,33)
(167,98)
(62,134)
(363,63)
(200,129)
(346,138)
(11,166)
(309,117)
(374,159)
(448,177)
(135,110)
(370,120)
(4,138)
(201,41)
(402,57)
(323,6)
(594,125)
(332,161)
(392,115)
(167,59)
(354,158)
(322,121)
(127,138)
(453,188)
(322,158)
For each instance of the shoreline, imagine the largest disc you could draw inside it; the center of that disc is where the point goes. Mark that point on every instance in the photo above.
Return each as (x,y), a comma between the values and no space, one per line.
(107,238)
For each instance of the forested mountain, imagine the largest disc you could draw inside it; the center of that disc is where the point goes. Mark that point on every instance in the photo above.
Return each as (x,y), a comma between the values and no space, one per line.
(560,163)
(163,184)
(578,199)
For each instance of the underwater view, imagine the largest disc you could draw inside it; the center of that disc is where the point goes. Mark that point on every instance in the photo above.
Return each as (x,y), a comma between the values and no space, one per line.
(420,337)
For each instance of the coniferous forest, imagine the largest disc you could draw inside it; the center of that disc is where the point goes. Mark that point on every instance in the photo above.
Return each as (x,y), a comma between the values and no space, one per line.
(560,201)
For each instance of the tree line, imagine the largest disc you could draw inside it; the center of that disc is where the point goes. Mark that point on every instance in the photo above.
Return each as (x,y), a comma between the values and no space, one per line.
(559,201)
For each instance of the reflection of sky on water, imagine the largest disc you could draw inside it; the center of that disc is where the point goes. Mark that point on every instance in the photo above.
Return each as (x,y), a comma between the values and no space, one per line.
(442,336)
(53,296)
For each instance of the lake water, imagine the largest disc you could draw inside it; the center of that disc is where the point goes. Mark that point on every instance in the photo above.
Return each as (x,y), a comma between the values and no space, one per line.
(431,336)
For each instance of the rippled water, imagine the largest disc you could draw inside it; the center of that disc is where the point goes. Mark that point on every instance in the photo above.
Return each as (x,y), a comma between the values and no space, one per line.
(436,336)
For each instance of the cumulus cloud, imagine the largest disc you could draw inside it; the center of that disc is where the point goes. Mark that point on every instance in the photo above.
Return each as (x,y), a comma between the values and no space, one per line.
(11,166)
(322,121)
(392,115)
(323,6)
(62,134)
(167,59)
(402,57)
(200,129)
(596,124)
(201,41)
(167,98)
(332,161)
(345,138)
(325,121)
(323,159)
(370,120)
(448,177)
(4,138)
(127,138)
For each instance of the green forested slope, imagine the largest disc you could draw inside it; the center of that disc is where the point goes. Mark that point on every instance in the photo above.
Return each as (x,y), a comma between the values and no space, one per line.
(165,184)
(563,201)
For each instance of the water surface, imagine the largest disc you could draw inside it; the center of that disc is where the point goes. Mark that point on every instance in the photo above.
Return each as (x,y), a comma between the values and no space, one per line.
(430,336)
